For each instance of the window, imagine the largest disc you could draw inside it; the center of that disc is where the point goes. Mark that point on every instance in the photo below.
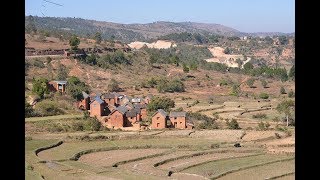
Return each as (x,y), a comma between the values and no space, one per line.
(158,124)
(175,118)
(180,122)
(158,118)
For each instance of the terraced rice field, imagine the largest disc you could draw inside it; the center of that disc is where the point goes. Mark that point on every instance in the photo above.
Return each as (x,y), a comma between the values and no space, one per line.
(216,169)
(263,172)
(162,155)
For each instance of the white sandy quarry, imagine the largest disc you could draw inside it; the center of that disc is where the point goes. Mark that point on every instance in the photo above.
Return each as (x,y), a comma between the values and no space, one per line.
(220,57)
(160,44)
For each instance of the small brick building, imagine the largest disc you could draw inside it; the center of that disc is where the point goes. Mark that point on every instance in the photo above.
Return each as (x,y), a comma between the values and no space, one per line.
(143,110)
(118,117)
(133,116)
(84,104)
(57,86)
(97,107)
(178,120)
(159,119)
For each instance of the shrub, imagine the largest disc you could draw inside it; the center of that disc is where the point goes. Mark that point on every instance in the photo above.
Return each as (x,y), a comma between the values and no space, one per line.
(55,128)
(185,68)
(235,90)
(48,59)
(38,63)
(259,116)
(94,124)
(264,95)
(48,108)
(291,94)
(282,90)
(250,82)
(77,126)
(233,124)
(160,103)
(113,86)
(75,88)
(40,87)
(264,83)
(263,126)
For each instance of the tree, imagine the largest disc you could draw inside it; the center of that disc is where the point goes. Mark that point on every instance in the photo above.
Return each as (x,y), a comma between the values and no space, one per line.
(226,51)
(264,83)
(250,82)
(292,72)
(113,85)
(28,110)
(185,68)
(74,42)
(62,72)
(286,107)
(31,27)
(268,39)
(175,86)
(291,94)
(233,124)
(75,88)
(282,90)
(98,37)
(264,95)
(160,103)
(283,40)
(40,87)
(248,66)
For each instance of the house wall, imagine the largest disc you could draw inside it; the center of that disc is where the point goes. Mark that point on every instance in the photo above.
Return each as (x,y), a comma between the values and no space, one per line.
(158,121)
(53,86)
(180,122)
(96,109)
(116,119)
(110,101)
(84,103)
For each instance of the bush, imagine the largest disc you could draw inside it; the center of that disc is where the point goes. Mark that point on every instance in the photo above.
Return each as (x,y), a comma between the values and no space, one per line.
(40,87)
(291,94)
(94,124)
(160,103)
(38,63)
(259,116)
(75,88)
(282,90)
(250,82)
(77,126)
(264,83)
(48,108)
(185,68)
(235,90)
(113,86)
(264,95)
(233,124)
(263,126)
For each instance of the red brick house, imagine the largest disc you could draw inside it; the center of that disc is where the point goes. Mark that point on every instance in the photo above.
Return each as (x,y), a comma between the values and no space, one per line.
(178,120)
(133,116)
(97,107)
(84,104)
(159,119)
(118,117)
(143,110)
(109,98)
(57,86)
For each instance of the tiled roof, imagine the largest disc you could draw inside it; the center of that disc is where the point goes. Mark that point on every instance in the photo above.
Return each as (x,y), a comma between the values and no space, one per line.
(84,94)
(161,111)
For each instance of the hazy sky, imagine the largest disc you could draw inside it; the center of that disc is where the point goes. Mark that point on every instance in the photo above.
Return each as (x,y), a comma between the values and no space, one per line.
(243,15)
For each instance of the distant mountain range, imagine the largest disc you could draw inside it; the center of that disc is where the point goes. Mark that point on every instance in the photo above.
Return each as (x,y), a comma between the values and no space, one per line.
(138,32)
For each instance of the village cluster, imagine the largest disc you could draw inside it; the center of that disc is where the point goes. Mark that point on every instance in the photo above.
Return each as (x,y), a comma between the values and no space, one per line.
(116,110)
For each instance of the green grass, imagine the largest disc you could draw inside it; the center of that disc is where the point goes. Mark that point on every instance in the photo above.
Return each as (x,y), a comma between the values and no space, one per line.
(58,117)
(262,172)
(38,143)
(216,168)
(68,149)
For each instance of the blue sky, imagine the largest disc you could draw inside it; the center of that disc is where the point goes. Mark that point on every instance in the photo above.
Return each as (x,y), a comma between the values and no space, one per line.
(243,15)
